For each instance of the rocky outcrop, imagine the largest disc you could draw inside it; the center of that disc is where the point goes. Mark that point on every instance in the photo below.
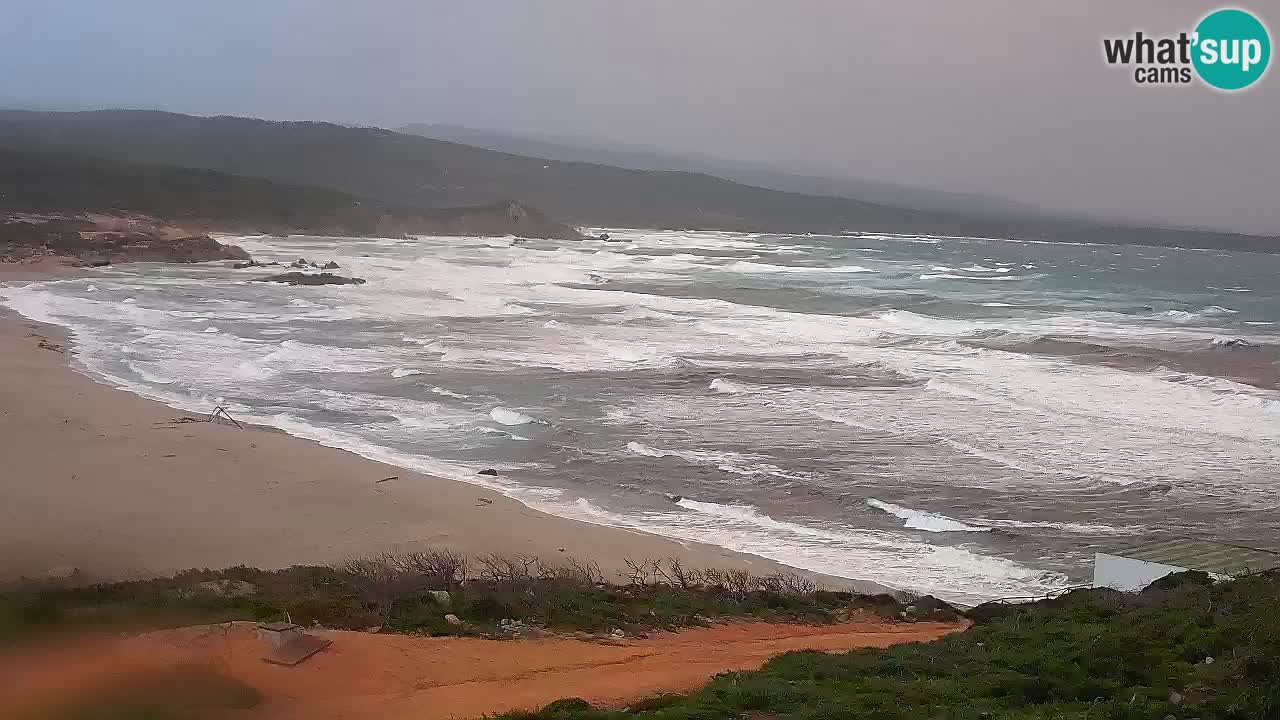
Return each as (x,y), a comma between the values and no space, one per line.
(85,240)
(303,264)
(507,218)
(149,248)
(300,278)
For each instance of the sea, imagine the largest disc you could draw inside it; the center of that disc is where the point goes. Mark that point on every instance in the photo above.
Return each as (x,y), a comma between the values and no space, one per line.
(967,417)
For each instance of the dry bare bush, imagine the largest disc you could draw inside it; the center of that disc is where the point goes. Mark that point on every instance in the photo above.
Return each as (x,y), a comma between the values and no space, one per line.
(676,574)
(737,580)
(572,570)
(787,584)
(507,568)
(713,577)
(377,579)
(640,572)
(439,569)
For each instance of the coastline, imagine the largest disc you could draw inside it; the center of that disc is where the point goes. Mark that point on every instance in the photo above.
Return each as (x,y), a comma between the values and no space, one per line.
(104,483)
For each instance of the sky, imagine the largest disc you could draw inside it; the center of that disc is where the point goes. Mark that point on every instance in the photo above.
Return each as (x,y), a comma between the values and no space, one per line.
(1005,98)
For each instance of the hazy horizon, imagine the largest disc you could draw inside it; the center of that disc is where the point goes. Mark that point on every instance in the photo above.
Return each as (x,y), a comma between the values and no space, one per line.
(1008,101)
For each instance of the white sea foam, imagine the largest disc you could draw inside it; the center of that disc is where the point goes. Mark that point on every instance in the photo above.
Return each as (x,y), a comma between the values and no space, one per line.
(1072,527)
(746,266)
(728,387)
(404,372)
(736,463)
(510,417)
(953,276)
(642,449)
(921,520)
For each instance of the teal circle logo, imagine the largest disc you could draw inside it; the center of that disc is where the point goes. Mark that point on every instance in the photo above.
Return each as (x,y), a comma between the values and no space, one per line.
(1232,49)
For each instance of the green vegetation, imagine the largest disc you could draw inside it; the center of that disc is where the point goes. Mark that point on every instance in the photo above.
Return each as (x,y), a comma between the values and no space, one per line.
(57,182)
(415,592)
(1183,648)
(416,172)
(32,181)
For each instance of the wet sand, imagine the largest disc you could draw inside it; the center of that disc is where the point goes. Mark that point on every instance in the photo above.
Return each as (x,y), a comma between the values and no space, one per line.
(111,485)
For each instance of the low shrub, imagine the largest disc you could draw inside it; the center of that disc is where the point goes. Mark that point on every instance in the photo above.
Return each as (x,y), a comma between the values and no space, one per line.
(401,592)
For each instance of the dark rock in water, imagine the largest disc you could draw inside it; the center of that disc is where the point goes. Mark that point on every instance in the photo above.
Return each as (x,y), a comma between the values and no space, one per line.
(142,247)
(331,265)
(300,263)
(253,264)
(297,278)
(488,471)
(606,238)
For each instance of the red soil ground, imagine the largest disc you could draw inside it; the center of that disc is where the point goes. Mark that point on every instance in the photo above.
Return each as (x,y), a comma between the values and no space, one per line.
(390,677)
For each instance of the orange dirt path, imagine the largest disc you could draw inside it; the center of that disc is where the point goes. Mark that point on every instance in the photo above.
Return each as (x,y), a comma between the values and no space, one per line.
(394,677)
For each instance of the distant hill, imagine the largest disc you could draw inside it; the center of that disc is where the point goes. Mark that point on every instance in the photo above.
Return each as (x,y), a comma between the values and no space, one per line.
(409,171)
(35,182)
(643,157)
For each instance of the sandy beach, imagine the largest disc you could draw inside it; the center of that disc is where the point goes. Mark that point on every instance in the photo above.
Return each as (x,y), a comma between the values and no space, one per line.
(112,485)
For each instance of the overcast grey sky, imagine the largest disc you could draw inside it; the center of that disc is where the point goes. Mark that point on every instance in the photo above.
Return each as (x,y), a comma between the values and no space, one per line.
(1007,98)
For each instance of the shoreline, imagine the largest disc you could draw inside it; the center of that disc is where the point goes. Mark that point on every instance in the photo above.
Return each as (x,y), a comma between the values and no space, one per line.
(105,484)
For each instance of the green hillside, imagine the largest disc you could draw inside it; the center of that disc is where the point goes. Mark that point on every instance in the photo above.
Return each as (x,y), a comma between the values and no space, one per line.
(33,181)
(405,170)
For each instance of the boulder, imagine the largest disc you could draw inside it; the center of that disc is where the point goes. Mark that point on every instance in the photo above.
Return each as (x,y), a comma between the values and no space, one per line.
(488,471)
(331,265)
(442,597)
(453,619)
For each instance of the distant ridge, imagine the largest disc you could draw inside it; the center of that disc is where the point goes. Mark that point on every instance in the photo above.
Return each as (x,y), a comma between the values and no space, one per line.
(641,157)
(409,171)
(63,183)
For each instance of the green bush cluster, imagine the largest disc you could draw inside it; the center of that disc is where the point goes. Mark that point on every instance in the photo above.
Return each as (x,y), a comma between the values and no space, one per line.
(1183,648)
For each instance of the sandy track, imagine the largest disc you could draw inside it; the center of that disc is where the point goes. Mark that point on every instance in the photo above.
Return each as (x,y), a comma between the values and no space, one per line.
(389,677)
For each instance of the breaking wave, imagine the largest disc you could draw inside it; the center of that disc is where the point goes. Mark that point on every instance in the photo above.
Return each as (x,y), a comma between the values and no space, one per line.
(921,520)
